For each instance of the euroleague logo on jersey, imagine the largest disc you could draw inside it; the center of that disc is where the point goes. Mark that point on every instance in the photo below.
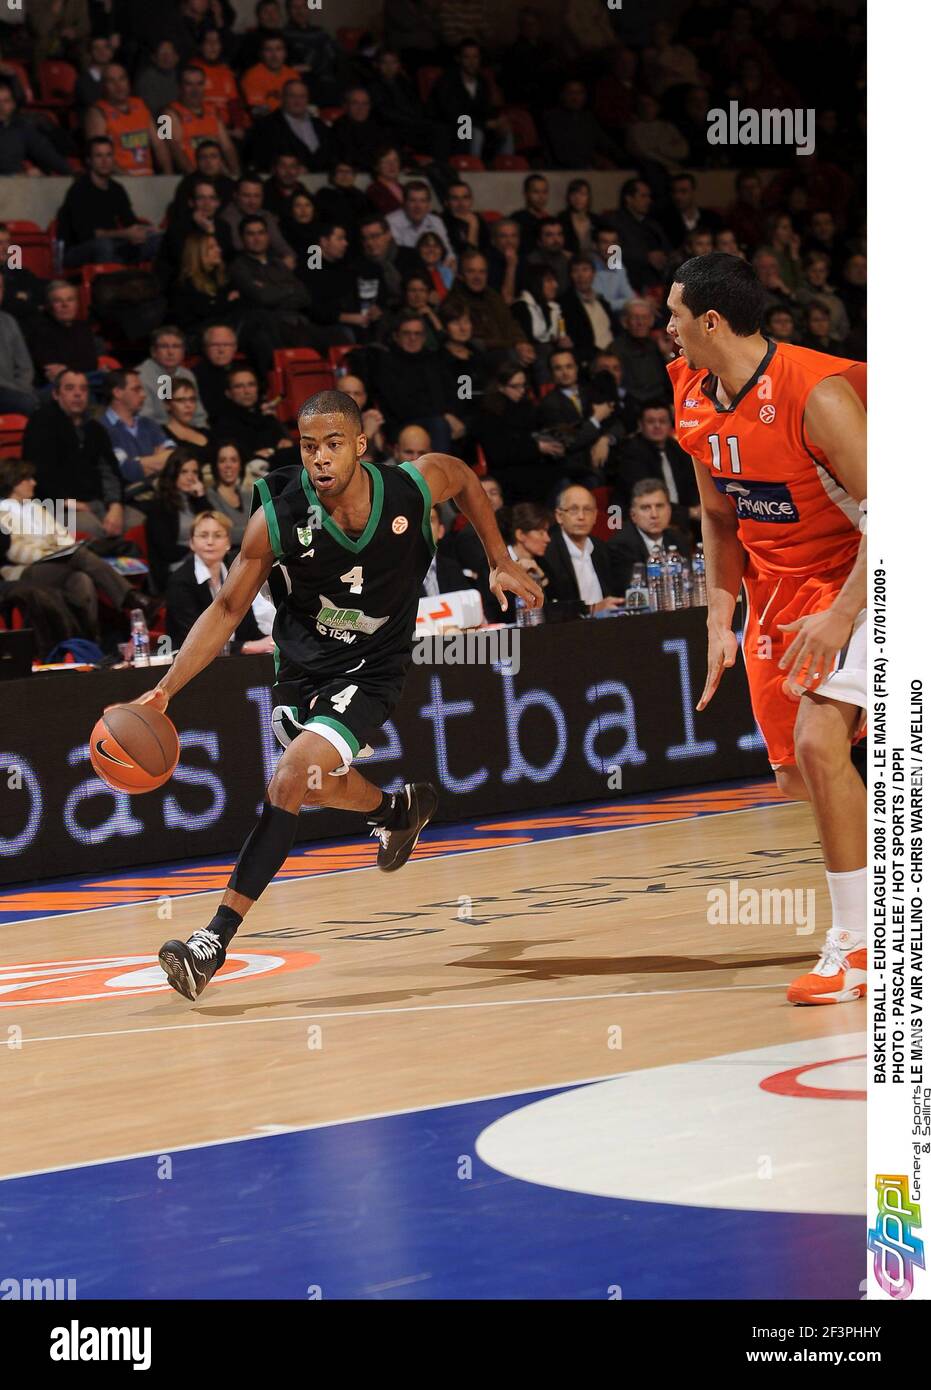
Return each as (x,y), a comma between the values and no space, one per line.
(767,414)
(399,525)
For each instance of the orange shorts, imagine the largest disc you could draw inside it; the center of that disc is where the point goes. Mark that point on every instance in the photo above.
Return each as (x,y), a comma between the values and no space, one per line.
(783,600)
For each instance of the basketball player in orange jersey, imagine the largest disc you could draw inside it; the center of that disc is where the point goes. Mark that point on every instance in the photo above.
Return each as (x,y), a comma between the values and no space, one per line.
(778,436)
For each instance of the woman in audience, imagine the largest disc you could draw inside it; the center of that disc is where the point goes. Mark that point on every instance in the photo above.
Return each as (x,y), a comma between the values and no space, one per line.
(432,253)
(229,494)
(386,192)
(40,551)
(196,581)
(784,242)
(202,294)
(459,357)
(179,496)
(527,466)
(181,407)
(299,226)
(577,221)
(417,290)
(539,313)
(526,529)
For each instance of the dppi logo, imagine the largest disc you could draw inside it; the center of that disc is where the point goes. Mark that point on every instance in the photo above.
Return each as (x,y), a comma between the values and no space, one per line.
(115,977)
(897,1252)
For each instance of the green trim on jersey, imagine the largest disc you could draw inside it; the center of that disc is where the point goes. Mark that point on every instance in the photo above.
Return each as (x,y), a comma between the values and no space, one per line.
(329,525)
(271,520)
(414,472)
(347,734)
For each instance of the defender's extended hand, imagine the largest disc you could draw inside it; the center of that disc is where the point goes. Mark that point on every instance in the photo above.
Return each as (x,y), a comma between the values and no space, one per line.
(722,653)
(510,575)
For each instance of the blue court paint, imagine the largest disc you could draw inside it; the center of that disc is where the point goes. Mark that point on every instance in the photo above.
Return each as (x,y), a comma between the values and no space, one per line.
(377,1209)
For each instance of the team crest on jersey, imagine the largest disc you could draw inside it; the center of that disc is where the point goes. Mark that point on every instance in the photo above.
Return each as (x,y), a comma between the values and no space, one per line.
(399,525)
(759,501)
(767,414)
(305,534)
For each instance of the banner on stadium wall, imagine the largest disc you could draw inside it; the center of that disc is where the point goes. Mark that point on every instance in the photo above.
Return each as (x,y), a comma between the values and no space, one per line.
(590,710)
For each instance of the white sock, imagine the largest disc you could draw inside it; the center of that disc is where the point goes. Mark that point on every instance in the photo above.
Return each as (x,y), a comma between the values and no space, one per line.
(848,907)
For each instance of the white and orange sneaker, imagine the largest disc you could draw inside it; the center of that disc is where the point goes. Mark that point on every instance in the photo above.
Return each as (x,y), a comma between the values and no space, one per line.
(839,976)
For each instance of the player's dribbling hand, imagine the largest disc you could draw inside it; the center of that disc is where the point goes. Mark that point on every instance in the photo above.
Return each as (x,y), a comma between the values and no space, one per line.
(722,653)
(156,696)
(510,575)
(811,655)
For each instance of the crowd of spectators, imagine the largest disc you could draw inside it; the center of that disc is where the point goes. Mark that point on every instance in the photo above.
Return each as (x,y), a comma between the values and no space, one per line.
(527,340)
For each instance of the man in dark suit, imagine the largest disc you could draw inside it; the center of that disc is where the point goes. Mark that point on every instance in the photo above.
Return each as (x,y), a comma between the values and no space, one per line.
(654,453)
(646,525)
(682,213)
(444,575)
(578,567)
(290,130)
(587,315)
(582,424)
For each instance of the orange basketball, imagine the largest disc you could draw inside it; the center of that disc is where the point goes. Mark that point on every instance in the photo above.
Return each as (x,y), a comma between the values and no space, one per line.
(134,748)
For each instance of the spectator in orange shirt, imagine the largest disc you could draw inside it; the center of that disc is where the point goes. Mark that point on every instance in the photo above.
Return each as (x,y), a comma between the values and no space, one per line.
(262,84)
(191,122)
(126,121)
(220,91)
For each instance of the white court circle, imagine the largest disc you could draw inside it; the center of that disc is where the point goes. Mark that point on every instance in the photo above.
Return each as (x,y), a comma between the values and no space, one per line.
(700,1134)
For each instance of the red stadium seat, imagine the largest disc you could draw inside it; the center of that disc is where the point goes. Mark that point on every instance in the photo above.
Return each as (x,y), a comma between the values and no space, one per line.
(522,128)
(426,80)
(37,247)
(108,364)
(57,81)
(329,114)
(491,215)
(338,353)
(349,38)
(509,161)
(467,162)
(481,463)
(545,388)
(601,530)
(297,374)
(11,435)
(89,274)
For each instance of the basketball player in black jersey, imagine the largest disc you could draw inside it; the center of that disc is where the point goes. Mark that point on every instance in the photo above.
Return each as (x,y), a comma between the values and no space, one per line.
(344,546)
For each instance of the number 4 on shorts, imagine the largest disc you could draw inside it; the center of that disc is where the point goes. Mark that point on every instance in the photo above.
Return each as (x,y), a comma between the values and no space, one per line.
(341,699)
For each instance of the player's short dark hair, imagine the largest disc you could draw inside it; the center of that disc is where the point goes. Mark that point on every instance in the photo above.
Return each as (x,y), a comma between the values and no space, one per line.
(333,403)
(728,285)
(646,486)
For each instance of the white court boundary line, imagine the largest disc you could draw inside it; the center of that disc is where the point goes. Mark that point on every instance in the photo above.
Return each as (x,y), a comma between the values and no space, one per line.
(402,1110)
(426,859)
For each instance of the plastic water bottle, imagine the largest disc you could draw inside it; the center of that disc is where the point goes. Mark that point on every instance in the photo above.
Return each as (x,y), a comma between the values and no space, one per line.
(527,617)
(655,579)
(637,598)
(686,583)
(672,574)
(699,583)
(139,634)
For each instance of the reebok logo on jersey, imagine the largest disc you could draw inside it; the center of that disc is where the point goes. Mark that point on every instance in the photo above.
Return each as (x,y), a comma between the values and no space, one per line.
(759,501)
(346,619)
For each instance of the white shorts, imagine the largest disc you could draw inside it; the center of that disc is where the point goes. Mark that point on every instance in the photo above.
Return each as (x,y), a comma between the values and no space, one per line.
(847,682)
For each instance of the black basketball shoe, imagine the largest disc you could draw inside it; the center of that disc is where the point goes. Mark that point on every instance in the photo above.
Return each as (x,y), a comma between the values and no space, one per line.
(191,965)
(397,841)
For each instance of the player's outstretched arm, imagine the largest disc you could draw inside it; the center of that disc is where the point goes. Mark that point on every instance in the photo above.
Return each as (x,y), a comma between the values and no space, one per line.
(835,423)
(216,626)
(449,478)
(725,559)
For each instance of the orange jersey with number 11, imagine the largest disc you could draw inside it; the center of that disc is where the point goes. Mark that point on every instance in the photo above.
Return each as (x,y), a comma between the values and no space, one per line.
(793,515)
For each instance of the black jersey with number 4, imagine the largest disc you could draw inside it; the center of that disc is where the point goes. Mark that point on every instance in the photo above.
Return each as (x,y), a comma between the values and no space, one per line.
(347,602)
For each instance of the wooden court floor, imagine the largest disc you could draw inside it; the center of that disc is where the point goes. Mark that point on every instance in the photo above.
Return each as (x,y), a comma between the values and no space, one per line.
(464,976)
